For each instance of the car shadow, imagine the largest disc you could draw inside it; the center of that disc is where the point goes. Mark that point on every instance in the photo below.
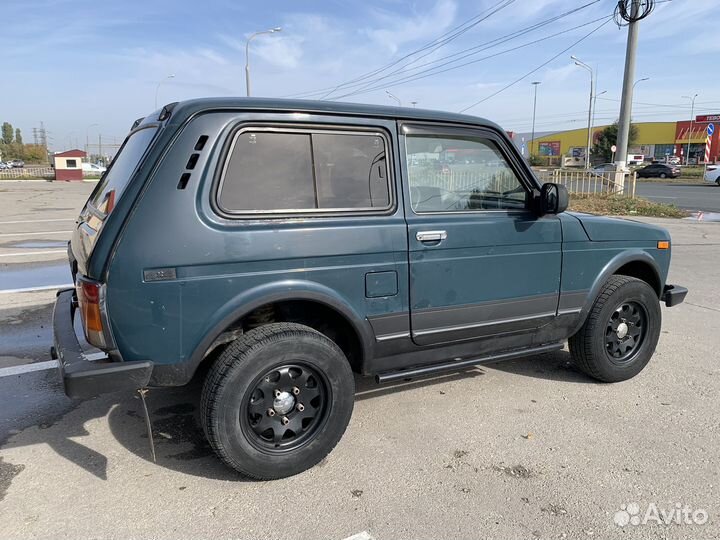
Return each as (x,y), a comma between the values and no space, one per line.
(179,440)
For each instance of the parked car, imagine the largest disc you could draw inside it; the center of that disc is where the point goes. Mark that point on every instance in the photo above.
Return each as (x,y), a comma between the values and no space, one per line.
(8,164)
(93,168)
(712,174)
(3,166)
(673,160)
(17,163)
(274,247)
(659,170)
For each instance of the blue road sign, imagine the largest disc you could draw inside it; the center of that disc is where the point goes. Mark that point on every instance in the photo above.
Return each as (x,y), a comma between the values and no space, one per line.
(710,129)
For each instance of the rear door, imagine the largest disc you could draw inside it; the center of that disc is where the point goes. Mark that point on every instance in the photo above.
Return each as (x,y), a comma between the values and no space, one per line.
(481,262)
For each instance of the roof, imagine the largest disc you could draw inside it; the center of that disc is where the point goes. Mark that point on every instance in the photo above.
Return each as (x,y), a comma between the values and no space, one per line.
(185,109)
(71,153)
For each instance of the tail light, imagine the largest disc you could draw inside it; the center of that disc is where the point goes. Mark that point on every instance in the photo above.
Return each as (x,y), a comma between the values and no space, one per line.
(91,302)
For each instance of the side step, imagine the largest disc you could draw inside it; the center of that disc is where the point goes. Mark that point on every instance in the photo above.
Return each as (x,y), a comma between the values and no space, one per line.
(390,376)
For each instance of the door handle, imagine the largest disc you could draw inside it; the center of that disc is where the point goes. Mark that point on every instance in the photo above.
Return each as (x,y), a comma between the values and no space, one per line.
(431,236)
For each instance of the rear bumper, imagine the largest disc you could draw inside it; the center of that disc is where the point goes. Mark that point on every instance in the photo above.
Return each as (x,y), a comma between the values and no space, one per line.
(673,295)
(81,377)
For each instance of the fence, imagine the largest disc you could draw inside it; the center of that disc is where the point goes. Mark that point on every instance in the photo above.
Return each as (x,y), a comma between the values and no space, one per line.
(27,172)
(590,183)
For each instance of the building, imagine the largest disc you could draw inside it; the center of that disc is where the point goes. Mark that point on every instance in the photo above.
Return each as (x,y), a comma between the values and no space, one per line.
(655,141)
(68,165)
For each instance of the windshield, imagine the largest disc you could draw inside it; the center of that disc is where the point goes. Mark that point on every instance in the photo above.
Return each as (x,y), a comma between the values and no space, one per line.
(112,185)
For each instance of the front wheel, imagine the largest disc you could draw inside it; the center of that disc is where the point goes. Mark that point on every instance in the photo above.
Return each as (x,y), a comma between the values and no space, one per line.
(663,175)
(621,331)
(277,400)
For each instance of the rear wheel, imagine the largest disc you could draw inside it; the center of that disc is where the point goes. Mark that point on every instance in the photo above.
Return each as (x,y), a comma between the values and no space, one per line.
(277,400)
(621,331)
(663,175)
(718,181)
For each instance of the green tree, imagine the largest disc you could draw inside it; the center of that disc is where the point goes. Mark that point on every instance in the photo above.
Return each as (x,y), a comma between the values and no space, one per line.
(607,137)
(7,133)
(18,136)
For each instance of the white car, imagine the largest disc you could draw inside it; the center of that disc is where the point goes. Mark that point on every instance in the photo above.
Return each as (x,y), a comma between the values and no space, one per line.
(93,168)
(712,174)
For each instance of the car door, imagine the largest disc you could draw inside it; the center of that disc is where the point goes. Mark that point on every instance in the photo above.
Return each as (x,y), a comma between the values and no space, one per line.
(481,262)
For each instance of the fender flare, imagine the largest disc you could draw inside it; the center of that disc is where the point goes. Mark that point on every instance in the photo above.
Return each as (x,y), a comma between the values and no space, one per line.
(242,304)
(610,268)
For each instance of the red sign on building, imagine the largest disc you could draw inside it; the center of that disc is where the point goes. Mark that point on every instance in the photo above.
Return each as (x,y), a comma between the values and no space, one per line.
(707,118)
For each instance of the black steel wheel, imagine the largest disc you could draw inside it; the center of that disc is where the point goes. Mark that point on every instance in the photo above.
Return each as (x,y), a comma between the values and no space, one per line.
(285,407)
(621,331)
(625,332)
(277,400)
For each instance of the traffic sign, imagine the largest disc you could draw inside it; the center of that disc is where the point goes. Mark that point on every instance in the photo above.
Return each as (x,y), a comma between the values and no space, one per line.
(710,129)
(613,148)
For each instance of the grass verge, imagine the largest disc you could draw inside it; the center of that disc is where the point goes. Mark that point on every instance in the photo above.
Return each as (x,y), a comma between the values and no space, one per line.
(616,205)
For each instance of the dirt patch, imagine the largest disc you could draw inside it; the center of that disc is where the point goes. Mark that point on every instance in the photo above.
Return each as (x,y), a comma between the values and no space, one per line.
(618,205)
(8,472)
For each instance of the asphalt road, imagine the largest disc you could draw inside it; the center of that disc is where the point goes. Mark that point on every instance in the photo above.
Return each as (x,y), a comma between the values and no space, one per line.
(702,197)
(525,449)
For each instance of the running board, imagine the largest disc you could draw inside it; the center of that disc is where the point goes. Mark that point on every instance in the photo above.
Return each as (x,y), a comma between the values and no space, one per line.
(391,376)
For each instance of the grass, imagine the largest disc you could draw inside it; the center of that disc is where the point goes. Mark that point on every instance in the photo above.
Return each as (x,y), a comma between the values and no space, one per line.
(618,205)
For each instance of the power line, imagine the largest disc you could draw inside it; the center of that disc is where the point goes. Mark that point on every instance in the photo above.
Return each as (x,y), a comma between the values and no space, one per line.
(461,55)
(436,70)
(583,38)
(445,38)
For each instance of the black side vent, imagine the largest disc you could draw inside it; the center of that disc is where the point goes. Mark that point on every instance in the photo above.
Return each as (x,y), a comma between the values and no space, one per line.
(184,179)
(192,161)
(200,144)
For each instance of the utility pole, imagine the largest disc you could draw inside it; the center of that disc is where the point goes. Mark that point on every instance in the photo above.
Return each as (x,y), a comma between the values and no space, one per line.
(692,117)
(100,147)
(532,138)
(623,137)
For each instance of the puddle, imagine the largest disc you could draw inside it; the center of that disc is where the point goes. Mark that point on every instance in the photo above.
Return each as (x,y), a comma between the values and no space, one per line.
(42,244)
(37,276)
(704,216)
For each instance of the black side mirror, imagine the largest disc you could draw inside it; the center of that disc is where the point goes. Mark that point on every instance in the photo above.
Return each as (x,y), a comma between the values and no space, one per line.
(554,199)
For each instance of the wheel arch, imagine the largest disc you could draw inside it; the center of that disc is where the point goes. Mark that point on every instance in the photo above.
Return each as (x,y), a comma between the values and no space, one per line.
(635,263)
(242,305)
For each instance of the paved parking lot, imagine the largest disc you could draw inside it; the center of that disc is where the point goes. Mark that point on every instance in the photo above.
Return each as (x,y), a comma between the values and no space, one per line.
(526,449)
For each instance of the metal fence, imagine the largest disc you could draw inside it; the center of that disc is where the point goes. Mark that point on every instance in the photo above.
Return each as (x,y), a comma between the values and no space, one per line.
(27,172)
(590,183)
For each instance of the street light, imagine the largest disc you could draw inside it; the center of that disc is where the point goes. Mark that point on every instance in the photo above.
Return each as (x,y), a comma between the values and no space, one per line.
(532,138)
(393,96)
(247,54)
(157,88)
(692,113)
(413,103)
(595,105)
(87,140)
(583,65)
(639,81)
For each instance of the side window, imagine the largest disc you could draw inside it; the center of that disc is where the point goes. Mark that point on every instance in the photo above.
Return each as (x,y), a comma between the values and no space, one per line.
(459,174)
(302,171)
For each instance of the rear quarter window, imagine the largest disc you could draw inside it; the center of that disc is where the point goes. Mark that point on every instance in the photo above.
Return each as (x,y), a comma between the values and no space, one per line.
(117,177)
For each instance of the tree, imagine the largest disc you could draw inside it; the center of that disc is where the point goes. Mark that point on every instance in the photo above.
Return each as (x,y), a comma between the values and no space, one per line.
(7,133)
(18,136)
(608,137)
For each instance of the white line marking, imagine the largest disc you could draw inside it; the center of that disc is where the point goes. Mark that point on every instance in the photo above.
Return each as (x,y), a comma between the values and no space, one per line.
(35,233)
(28,368)
(26,253)
(35,221)
(31,289)
(360,536)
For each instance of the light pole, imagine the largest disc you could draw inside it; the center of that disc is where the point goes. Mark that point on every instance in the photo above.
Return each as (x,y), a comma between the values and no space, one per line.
(595,106)
(583,65)
(87,140)
(247,54)
(639,81)
(157,88)
(393,96)
(413,103)
(692,114)
(532,137)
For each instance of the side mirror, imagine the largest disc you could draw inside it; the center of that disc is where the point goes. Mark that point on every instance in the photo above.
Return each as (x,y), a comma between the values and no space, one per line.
(554,199)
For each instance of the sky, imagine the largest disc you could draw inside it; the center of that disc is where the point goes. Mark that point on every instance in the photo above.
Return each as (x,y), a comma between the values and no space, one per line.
(92,67)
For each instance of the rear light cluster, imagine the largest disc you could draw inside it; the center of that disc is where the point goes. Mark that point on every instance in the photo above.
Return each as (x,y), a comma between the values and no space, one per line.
(91,300)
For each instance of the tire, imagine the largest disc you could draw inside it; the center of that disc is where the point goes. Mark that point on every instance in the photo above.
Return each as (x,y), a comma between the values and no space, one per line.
(718,182)
(317,392)
(663,175)
(602,347)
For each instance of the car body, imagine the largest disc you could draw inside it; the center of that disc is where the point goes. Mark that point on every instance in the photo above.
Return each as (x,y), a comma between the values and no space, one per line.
(674,160)
(285,244)
(712,174)
(659,170)
(93,168)
(17,163)
(3,166)
(604,168)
